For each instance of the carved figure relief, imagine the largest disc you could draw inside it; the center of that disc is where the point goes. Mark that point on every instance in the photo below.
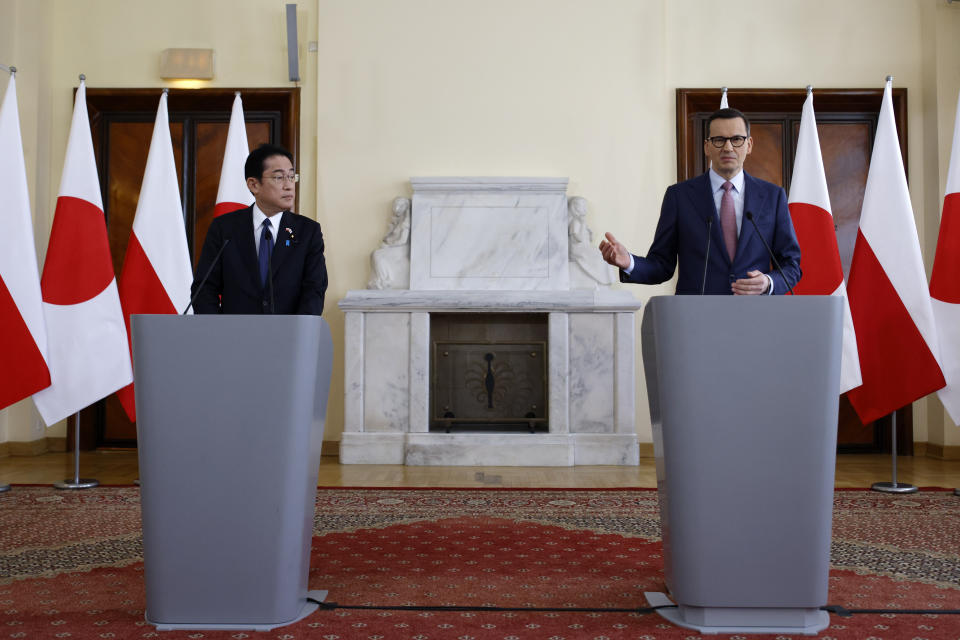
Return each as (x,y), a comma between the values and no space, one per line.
(587,268)
(390,263)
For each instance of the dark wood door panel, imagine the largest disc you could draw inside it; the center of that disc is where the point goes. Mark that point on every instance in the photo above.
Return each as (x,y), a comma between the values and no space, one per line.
(846,158)
(211,141)
(766,159)
(127,145)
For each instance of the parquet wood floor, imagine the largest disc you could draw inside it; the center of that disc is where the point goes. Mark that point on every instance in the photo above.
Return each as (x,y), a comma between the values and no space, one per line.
(120,467)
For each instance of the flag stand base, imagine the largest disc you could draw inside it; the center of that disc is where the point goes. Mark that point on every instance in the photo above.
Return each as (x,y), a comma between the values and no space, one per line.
(76,483)
(893,487)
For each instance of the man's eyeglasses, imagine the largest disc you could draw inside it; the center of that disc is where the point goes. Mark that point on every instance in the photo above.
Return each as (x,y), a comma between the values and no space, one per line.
(279,180)
(720,141)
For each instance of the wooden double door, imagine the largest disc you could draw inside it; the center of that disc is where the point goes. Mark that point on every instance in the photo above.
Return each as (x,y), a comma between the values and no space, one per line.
(122,122)
(846,124)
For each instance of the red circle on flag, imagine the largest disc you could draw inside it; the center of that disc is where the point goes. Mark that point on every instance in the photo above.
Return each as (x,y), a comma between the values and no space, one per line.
(78,265)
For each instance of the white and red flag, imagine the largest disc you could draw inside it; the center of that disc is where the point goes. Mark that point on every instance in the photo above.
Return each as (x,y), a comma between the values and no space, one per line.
(888,293)
(233,193)
(23,336)
(87,344)
(945,282)
(156,274)
(812,218)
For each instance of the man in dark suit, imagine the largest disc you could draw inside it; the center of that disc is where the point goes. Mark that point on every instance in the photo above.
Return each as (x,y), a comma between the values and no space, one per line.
(721,203)
(264,238)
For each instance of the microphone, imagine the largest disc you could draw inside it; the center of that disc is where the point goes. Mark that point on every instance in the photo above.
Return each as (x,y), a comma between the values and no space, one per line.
(706,258)
(216,258)
(773,258)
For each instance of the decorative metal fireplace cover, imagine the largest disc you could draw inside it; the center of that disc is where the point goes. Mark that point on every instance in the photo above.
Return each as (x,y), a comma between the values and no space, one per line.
(489,384)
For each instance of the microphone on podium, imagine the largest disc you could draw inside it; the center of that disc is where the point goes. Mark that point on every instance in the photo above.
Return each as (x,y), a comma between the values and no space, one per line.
(706,258)
(216,258)
(766,246)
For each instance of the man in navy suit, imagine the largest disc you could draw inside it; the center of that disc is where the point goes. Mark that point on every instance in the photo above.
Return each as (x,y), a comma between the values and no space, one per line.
(719,203)
(272,259)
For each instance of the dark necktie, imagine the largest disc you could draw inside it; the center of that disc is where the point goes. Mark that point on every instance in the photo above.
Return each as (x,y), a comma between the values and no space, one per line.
(266,248)
(728,220)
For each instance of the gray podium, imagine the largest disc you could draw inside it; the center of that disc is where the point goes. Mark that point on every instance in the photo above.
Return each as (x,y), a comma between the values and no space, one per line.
(230,416)
(743,395)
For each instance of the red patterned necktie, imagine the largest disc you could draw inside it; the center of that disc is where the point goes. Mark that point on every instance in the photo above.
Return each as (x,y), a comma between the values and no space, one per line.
(728,220)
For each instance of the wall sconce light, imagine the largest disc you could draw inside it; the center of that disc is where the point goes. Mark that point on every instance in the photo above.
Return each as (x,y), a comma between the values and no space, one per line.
(186,64)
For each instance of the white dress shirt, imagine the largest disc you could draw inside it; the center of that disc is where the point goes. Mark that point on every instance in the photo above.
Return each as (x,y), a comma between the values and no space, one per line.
(258,218)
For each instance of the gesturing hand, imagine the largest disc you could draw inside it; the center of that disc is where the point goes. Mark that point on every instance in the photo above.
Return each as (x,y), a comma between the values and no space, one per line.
(614,252)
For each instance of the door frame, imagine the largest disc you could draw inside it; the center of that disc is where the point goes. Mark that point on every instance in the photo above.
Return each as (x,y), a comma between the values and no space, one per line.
(280,106)
(694,107)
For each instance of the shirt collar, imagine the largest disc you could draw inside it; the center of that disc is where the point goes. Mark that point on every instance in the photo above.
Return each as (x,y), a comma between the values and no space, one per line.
(259,216)
(716,181)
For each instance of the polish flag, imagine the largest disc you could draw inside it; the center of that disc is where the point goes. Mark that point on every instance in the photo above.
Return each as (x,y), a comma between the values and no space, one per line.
(888,293)
(233,193)
(156,273)
(945,282)
(87,344)
(813,221)
(23,336)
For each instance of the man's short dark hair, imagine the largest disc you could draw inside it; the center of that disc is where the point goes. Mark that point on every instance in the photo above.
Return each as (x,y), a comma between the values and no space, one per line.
(726,114)
(253,167)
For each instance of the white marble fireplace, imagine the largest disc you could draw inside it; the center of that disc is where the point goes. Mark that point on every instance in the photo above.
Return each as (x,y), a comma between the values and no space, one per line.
(489,246)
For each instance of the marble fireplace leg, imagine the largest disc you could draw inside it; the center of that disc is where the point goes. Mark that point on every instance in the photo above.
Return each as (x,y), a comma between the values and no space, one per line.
(419,372)
(558,373)
(353,372)
(624,374)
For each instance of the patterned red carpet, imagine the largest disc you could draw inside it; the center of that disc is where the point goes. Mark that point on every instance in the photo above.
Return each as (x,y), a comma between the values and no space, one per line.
(70,565)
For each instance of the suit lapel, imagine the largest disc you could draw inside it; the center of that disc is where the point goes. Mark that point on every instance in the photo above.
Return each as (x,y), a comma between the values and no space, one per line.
(243,233)
(753,202)
(707,208)
(286,240)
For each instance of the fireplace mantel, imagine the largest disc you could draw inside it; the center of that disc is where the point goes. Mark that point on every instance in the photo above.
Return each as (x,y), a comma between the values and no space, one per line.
(607,300)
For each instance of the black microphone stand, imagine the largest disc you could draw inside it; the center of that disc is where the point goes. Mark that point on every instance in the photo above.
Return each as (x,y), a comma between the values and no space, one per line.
(706,259)
(216,258)
(766,246)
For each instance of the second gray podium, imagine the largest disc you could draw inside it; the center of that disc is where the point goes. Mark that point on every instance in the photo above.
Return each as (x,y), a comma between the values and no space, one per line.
(743,396)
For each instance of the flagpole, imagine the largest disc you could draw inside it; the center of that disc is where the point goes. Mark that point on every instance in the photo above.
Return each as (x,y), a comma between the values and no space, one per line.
(12,71)
(893,486)
(77,482)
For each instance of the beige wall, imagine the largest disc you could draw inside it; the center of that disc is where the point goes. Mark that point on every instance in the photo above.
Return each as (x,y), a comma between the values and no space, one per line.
(498,87)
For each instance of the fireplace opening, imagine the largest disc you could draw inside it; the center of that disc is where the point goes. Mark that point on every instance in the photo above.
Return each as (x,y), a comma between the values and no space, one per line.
(488,372)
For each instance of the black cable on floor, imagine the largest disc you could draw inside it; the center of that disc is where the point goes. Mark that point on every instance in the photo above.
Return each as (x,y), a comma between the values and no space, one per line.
(374,607)
(833,608)
(846,613)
